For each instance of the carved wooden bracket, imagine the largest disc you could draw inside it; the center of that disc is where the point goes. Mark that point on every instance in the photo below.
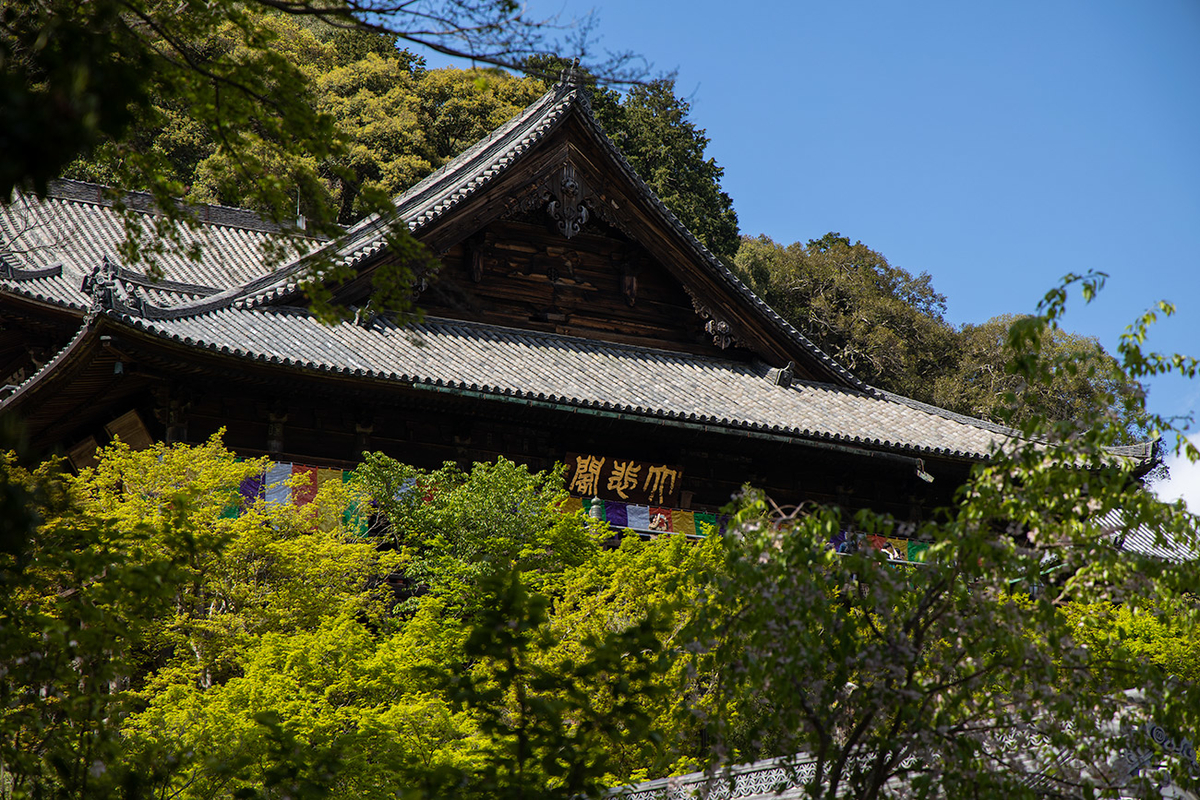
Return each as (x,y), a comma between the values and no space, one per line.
(724,335)
(627,265)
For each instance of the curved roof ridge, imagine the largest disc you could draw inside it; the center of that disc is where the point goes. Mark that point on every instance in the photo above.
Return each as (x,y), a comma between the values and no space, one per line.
(554,100)
(14,273)
(263,288)
(365,238)
(143,202)
(715,263)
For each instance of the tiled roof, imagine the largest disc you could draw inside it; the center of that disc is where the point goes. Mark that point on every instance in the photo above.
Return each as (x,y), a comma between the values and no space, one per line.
(568,371)
(51,244)
(223,302)
(466,175)
(1144,541)
(76,227)
(474,169)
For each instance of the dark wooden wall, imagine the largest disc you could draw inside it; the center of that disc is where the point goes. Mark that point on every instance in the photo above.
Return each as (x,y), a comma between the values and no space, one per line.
(332,423)
(598,285)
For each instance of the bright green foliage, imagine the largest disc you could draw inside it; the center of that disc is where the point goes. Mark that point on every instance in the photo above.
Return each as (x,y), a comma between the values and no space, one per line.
(460,107)
(396,120)
(139,583)
(273,657)
(157,645)
(1164,635)
(77,74)
(966,670)
(556,725)
(341,689)
(453,527)
(272,568)
(65,642)
(665,580)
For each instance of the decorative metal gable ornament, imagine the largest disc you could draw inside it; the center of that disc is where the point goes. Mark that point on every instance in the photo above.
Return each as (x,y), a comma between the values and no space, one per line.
(566,207)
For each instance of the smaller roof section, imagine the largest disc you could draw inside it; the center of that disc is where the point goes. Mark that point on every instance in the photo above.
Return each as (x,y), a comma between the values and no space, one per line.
(49,245)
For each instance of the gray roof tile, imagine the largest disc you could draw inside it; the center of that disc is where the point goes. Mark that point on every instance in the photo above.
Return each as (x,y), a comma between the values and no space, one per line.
(1144,541)
(76,227)
(580,372)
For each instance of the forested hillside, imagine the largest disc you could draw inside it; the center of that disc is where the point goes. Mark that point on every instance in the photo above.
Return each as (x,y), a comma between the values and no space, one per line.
(888,327)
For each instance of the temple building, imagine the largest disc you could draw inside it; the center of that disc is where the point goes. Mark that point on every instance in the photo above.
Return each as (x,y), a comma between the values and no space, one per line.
(573,319)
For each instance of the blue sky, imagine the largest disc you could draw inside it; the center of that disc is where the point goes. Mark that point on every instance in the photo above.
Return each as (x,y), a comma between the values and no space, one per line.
(996,146)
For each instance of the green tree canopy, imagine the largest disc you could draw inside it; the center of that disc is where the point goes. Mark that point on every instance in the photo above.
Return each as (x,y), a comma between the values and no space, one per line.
(1084,379)
(76,75)
(219,101)
(652,129)
(887,326)
(881,322)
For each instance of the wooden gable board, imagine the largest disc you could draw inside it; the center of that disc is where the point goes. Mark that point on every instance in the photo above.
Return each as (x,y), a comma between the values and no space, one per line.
(572,180)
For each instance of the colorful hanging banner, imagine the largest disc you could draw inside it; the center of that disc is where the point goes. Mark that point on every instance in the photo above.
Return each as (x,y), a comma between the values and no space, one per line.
(647,519)
(895,548)
(272,487)
(683,522)
(637,517)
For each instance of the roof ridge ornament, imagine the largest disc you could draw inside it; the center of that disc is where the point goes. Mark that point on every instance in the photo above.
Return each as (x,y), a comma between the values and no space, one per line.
(108,292)
(570,77)
(782,376)
(99,285)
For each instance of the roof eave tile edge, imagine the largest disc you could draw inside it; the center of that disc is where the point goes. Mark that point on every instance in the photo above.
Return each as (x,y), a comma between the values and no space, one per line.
(10,290)
(1146,459)
(36,379)
(702,423)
